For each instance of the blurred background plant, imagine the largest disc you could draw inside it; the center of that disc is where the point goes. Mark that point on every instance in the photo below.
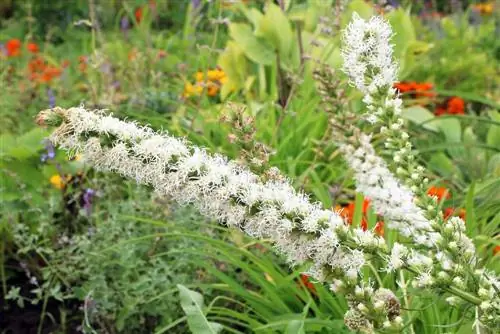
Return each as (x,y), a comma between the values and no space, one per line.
(92,252)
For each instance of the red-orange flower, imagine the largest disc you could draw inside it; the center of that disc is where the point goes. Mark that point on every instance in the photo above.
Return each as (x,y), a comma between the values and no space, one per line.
(40,72)
(138,14)
(496,250)
(307,283)
(13,47)
(379,229)
(415,89)
(32,47)
(456,105)
(439,192)
(453,106)
(347,213)
(82,63)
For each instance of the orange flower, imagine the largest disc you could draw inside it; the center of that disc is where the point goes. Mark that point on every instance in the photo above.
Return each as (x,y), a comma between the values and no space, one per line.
(379,229)
(456,106)
(65,63)
(496,250)
(212,89)
(461,214)
(453,106)
(41,72)
(32,47)
(82,66)
(448,212)
(307,283)
(363,224)
(138,14)
(414,89)
(50,73)
(13,47)
(347,213)
(439,192)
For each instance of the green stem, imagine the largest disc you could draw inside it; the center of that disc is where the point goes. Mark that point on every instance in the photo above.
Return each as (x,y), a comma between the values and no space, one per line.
(464,295)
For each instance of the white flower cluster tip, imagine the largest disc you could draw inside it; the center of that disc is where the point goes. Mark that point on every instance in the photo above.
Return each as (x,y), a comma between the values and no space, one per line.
(220,189)
(368,55)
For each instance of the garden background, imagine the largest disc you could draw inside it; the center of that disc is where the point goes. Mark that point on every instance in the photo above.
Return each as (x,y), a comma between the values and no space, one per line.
(94,252)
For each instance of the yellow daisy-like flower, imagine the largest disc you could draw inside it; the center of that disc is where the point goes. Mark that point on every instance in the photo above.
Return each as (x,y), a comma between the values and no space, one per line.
(57,181)
(192,90)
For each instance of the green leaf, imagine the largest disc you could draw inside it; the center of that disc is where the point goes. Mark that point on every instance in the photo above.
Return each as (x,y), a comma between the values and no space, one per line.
(493,136)
(444,165)
(192,305)
(404,33)
(363,9)
(420,116)
(253,15)
(255,49)
(451,129)
(234,64)
(276,29)
(295,327)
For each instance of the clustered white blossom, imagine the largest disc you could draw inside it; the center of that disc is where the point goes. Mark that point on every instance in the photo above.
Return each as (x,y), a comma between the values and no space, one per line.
(367,55)
(222,190)
(389,197)
(446,256)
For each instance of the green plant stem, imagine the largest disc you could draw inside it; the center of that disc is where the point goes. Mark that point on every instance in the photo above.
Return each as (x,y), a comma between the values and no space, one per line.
(462,294)
(405,296)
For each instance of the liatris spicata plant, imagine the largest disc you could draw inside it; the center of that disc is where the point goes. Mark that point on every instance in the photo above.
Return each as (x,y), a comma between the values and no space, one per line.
(230,193)
(442,256)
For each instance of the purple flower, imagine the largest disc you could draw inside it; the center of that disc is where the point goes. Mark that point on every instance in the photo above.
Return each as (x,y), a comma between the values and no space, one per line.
(3,50)
(124,24)
(52,98)
(195,3)
(88,197)
(51,152)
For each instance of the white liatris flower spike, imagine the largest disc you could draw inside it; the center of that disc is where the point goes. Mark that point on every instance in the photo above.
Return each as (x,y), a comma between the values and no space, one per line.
(224,191)
(368,55)
(389,197)
(443,253)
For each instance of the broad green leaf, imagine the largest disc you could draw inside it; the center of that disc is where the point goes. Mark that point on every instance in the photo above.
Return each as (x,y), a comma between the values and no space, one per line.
(409,59)
(192,305)
(255,49)
(253,15)
(444,165)
(363,9)
(234,64)
(494,165)
(493,137)
(421,116)
(276,29)
(451,129)
(404,33)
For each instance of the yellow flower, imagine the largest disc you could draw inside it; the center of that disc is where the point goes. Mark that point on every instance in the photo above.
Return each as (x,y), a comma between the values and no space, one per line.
(192,90)
(215,75)
(57,181)
(199,76)
(484,8)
